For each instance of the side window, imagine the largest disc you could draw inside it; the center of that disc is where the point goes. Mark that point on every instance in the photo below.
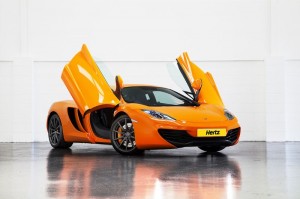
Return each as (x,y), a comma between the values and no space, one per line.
(166,98)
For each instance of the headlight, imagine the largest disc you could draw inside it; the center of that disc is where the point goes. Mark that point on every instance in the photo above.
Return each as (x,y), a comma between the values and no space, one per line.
(228,115)
(158,115)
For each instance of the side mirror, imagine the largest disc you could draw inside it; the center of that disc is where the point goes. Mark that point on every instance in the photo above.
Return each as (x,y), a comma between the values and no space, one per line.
(119,81)
(197,85)
(119,86)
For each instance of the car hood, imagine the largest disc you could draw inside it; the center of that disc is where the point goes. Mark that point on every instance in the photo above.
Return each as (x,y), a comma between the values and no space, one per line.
(202,113)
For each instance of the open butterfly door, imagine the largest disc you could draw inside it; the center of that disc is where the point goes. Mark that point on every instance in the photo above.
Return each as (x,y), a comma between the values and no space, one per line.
(191,72)
(87,84)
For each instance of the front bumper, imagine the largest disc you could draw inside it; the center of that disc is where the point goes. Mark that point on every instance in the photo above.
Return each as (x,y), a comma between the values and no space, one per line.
(180,138)
(159,134)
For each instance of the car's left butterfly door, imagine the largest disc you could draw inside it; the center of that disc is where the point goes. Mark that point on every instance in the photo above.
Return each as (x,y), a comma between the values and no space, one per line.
(86,83)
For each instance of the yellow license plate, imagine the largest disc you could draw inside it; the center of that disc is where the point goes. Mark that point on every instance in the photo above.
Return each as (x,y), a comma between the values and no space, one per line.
(211,132)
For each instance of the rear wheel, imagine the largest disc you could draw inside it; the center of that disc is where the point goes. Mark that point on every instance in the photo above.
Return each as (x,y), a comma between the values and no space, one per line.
(55,133)
(211,148)
(122,136)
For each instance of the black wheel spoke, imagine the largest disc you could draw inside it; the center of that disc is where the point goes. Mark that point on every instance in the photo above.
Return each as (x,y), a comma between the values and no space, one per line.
(118,138)
(51,124)
(130,141)
(131,128)
(122,141)
(118,132)
(56,138)
(121,126)
(53,139)
(54,123)
(126,144)
(57,123)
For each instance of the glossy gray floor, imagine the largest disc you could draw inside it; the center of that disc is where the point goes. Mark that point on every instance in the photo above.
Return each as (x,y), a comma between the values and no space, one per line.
(248,170)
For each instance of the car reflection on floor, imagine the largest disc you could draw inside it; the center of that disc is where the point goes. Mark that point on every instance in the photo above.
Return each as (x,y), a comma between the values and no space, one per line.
(74,174)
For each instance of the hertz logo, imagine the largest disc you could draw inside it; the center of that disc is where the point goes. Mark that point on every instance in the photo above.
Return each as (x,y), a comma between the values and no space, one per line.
(215,132)
(211,132)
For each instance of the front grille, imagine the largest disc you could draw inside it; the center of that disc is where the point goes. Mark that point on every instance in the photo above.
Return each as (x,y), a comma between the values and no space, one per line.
(181,138)
(175,136)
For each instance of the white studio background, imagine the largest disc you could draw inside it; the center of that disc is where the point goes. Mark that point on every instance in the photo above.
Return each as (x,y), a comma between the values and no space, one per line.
(252,47)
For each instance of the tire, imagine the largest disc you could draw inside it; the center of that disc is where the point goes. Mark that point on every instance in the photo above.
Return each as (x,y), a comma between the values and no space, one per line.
(122,136)
(212,148)
(55,133)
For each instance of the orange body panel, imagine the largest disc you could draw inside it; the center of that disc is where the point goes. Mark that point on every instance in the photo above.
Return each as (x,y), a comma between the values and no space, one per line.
(91,92)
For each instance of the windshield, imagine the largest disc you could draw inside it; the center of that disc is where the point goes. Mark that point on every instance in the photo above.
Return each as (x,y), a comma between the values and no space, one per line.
(160,74)
(155,96)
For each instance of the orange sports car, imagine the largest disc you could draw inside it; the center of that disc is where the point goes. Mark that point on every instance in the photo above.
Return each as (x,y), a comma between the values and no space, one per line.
(134,118)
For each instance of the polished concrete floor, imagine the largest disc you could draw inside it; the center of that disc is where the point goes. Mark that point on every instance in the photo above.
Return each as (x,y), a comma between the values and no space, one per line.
(248,170)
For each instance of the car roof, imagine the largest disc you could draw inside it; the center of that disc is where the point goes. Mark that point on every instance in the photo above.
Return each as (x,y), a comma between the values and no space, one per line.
(135,85)
(139,85)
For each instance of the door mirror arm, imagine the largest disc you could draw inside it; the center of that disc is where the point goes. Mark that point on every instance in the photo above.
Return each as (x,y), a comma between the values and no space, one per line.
(197,85)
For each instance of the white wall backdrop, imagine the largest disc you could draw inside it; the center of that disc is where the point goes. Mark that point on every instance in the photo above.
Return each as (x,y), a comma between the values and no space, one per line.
(252,47)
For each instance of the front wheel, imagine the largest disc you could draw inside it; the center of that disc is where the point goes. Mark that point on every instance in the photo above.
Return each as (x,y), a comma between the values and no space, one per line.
(212,148)
(55,133)
(122,136)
